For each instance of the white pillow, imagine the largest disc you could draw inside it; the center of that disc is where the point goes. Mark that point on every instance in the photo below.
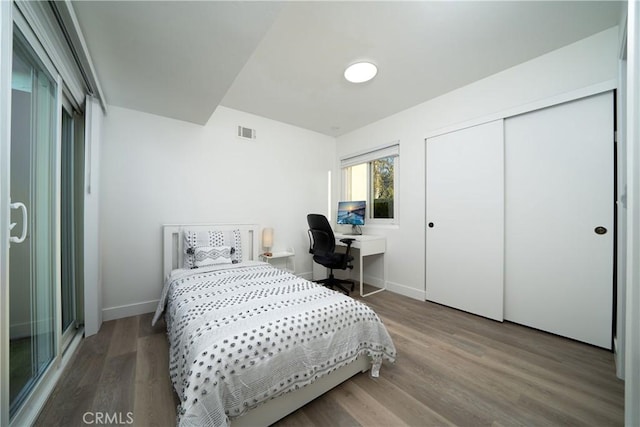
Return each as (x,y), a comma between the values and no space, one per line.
(212,255)
(211,238)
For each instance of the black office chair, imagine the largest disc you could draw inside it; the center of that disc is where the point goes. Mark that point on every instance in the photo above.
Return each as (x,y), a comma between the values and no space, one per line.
(322,244)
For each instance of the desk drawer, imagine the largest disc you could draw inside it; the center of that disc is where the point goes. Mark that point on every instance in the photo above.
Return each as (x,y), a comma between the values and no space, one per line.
(372,247)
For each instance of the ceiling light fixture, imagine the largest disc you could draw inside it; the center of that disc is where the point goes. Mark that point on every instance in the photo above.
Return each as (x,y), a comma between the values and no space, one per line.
(360,72)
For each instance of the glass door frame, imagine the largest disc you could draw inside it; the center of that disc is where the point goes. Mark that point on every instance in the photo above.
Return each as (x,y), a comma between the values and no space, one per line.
(12,20)
(32,295)
(6,53)
(42,184)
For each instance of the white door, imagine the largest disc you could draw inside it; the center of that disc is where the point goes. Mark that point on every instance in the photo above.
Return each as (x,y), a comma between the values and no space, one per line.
(559,189)
(465,219)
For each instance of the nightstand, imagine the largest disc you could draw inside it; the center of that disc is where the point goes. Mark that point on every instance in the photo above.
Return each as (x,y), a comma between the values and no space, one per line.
(282,257)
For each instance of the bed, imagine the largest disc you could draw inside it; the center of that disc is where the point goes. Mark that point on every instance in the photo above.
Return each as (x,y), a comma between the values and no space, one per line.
(250,343)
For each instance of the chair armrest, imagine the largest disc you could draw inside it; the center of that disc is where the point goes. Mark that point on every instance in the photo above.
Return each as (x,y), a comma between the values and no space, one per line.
(348,242)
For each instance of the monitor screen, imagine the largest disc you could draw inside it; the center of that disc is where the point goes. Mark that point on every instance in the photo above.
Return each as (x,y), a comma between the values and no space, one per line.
(351,213)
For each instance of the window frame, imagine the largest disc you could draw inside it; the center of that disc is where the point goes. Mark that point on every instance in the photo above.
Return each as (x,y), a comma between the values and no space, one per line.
(368,157)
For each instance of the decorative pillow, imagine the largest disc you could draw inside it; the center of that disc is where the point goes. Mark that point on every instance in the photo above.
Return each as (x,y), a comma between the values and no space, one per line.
(211,238)
(208,255)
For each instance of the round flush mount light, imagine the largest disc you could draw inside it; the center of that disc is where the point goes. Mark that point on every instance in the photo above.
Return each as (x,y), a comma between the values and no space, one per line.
(360,72)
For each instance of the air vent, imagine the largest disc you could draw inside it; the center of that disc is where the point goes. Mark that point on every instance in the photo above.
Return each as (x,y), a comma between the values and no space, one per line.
(246,133)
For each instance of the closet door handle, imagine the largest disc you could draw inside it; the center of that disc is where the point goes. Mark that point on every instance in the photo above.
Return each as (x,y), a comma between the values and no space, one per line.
(23,208)
(600,230)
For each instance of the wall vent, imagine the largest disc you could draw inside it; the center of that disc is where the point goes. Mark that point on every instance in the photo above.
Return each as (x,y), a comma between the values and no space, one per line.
(246,133)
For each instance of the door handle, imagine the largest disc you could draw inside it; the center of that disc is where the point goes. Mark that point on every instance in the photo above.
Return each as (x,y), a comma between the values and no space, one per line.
(23,235)
(600,230)
(430,225)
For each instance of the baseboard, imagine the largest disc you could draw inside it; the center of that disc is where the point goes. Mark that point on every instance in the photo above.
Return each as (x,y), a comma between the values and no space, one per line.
(618,357)
(25,329)
(306,275)
(407,291)
(20,330)
(396,288)
(370,280)
(113,313)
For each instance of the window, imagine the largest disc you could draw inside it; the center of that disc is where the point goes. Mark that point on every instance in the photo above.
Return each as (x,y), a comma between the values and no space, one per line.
(373,177)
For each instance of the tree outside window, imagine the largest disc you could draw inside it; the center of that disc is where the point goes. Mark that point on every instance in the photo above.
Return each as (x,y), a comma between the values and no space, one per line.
(382,189)
(373,181)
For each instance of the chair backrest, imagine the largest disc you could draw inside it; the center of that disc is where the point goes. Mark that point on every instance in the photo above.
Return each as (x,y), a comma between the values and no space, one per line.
(323,240)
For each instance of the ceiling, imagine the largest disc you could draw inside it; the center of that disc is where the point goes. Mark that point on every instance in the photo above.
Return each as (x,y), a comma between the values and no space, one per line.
(285,60)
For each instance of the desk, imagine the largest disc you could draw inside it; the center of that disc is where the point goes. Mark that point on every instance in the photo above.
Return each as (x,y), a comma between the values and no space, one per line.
(367,245)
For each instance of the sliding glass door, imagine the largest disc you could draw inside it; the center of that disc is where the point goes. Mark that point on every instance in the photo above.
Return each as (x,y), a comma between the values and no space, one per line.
(32,266)
(42,192)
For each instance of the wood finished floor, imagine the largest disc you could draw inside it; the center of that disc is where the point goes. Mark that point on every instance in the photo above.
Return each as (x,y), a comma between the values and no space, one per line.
(453,368)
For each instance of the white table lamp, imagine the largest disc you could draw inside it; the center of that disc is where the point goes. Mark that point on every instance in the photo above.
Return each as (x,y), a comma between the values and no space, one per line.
(267,240)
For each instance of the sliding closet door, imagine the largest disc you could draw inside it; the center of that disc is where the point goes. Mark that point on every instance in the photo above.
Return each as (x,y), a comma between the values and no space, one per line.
(32,268)
(465,206)
(559,219)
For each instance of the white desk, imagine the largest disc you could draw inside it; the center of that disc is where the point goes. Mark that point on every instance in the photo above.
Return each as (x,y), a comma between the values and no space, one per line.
(367,245)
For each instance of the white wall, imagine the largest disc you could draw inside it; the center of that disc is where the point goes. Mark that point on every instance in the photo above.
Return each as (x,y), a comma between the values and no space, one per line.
(588,62)
(157,171)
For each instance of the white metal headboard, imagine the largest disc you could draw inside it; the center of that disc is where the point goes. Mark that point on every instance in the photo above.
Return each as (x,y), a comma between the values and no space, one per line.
(172,242)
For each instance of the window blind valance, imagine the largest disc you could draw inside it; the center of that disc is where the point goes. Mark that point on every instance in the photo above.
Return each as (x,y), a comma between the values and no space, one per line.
(378,153)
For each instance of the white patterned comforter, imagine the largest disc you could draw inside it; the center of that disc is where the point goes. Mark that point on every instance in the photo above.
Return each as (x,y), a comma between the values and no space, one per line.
(242,334)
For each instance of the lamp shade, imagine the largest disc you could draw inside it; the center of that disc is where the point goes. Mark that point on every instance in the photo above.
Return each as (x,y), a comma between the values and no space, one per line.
(267,238)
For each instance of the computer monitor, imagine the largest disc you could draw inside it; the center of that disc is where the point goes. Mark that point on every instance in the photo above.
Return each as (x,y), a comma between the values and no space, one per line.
(351,213)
